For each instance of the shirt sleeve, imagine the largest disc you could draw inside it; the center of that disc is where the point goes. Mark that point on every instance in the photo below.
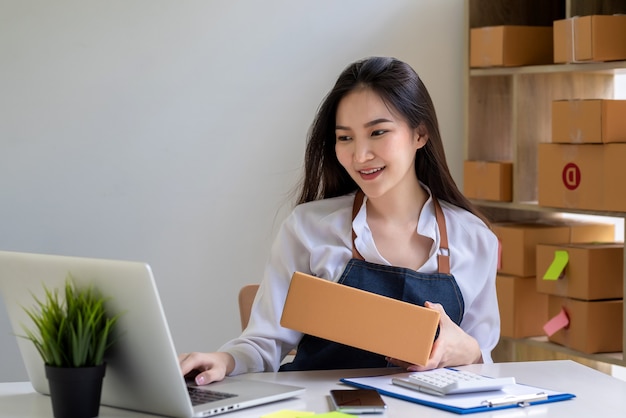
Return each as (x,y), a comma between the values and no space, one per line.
(264,343)
(314,239)
(482,317)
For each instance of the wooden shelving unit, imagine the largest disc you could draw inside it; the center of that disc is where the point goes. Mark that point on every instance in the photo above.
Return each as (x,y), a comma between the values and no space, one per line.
(509,114)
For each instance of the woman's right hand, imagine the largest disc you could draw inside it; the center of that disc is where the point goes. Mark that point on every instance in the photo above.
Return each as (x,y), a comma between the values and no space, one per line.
(211,367)
(453,347)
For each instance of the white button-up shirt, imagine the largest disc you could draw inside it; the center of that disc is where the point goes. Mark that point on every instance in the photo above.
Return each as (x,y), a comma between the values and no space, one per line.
(316,238)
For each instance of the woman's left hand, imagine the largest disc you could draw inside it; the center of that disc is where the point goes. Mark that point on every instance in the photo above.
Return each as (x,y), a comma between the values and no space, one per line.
(453,346)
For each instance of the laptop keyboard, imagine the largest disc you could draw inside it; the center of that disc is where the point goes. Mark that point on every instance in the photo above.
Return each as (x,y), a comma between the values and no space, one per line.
(202,396)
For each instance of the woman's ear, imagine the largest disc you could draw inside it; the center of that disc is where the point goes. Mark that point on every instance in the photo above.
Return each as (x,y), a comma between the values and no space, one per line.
(420,136)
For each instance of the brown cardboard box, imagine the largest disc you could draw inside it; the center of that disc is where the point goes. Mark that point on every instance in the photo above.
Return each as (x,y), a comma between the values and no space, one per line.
(519,240)
(523,310)
(588,121)
(360,319)
(614,177)
(596,38)
(518,243)
(594,327)
(488,180)
(571,176)
(593,272)
(510,46)
(584,232)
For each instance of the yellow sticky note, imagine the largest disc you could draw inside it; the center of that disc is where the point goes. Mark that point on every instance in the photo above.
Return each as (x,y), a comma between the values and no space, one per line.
(561,258)
(285,413)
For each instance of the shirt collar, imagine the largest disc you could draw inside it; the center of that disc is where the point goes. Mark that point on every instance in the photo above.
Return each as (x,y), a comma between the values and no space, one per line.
(426,226)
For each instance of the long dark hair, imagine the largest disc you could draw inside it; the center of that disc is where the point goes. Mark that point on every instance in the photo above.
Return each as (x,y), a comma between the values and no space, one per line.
(402,90)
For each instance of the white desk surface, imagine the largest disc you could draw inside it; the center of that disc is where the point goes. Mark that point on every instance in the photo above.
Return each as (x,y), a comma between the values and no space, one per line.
(597,394)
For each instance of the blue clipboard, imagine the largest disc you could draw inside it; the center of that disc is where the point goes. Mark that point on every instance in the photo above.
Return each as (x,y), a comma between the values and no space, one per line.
(459,404)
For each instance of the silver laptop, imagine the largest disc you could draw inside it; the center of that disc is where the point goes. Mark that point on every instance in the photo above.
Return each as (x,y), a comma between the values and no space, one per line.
(142,371)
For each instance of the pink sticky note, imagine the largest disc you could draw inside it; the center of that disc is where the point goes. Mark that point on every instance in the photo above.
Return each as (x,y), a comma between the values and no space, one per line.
(556,323)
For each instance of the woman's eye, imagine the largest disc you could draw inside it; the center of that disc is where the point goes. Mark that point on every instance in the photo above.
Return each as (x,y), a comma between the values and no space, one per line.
(378,132)
(343,138)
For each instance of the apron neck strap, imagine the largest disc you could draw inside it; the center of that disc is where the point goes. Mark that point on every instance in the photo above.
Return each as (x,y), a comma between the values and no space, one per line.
(443,258)
(356,206)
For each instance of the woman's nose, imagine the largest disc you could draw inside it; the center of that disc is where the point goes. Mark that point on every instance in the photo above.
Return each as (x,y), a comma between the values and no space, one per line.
(362,151)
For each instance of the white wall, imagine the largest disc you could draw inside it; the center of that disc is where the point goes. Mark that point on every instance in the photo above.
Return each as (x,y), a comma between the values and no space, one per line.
(172,132)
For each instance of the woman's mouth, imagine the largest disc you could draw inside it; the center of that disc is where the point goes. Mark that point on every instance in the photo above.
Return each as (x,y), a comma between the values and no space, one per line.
(371,173)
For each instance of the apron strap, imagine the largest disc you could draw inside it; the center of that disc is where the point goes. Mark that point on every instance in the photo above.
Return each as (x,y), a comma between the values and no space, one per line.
(443,259)
(356,206)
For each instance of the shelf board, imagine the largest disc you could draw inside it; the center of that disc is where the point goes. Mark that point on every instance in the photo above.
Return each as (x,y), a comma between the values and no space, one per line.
(542,342)
(613,67)
(534,207)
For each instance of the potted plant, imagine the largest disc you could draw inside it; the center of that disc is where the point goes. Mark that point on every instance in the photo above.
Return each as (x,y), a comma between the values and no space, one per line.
(72,334)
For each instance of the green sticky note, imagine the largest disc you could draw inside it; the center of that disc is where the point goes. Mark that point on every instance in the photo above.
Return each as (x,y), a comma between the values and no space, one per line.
(561,258)
(334,414)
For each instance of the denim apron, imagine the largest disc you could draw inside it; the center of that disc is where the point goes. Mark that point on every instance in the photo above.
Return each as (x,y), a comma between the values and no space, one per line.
(401,283)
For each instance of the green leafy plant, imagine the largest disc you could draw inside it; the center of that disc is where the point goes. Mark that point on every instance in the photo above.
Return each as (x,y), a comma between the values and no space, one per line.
(71,332)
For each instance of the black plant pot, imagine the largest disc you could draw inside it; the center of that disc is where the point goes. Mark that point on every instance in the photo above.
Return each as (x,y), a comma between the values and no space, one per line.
(75,392)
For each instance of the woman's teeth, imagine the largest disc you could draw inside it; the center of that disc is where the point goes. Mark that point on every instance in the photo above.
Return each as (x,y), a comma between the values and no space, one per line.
(373,170)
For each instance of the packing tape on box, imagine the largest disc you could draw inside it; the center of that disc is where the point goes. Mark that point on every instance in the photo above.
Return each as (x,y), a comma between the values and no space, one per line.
(576,110)
(573,38)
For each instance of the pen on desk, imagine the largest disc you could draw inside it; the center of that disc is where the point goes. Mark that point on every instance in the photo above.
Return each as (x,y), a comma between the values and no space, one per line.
(521,400)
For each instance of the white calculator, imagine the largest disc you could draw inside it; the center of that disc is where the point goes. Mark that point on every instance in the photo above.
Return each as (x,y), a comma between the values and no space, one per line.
(450,381)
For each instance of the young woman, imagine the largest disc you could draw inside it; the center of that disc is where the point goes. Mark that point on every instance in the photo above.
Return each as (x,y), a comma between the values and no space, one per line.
(378,210)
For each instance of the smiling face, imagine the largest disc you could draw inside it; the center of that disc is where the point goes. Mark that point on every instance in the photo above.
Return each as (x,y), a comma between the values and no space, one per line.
(375,145)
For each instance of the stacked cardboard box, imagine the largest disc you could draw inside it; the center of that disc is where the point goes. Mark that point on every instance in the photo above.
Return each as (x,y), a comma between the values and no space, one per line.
(581,169)
(524,310)
(590,38)
(584,284)
(590,271)
(590,121)
(583,166)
